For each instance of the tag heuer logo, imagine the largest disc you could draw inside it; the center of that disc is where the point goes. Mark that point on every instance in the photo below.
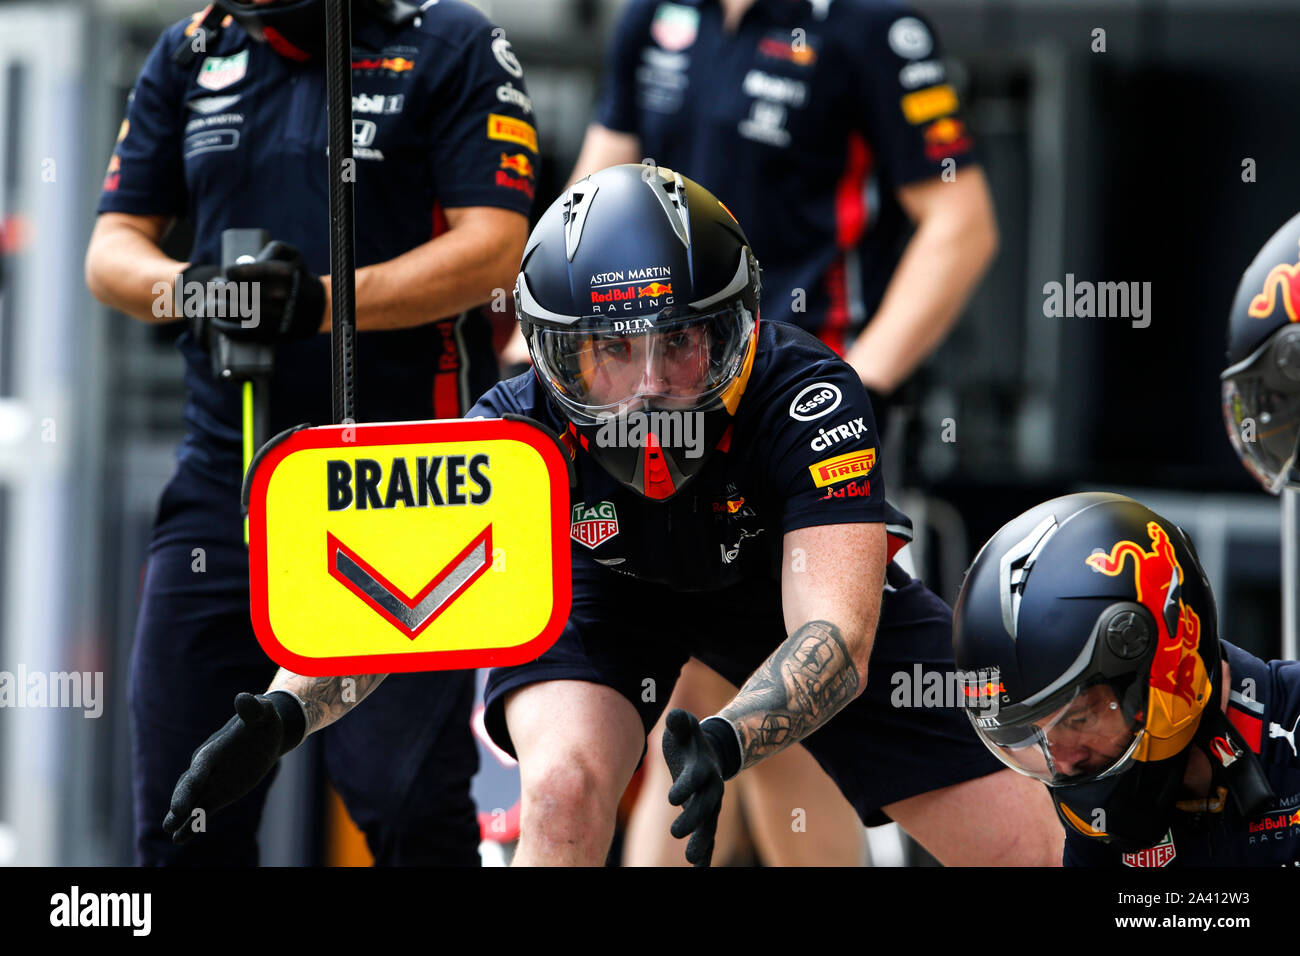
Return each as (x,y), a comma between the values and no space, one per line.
(593,526)
(1159,855)
(218,72)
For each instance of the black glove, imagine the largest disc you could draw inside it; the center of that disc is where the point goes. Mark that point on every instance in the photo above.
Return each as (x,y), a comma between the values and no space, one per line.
(190,308)
(290,302)
(234,760)
(700,758)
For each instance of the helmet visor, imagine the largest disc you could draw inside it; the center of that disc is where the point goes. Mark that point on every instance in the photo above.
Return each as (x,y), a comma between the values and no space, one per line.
(1263,424)
(1084,738)
(662,361)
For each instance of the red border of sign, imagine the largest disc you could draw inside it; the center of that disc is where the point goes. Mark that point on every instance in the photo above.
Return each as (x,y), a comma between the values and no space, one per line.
(405,433)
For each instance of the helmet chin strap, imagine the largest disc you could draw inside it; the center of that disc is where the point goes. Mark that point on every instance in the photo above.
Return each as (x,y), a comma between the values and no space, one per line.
(1138,805)
(1233,765)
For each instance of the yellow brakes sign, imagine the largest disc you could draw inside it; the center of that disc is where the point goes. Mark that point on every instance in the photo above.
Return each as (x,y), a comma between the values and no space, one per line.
(409,546)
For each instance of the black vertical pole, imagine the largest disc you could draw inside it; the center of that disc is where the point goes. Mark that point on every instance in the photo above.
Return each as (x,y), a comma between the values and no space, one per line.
(342,173)
(1290,573)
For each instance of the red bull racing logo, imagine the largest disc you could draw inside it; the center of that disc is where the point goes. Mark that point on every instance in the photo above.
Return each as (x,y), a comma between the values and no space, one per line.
(985,691)
(621,290)
(522,169)
(389,64)
(779,47)
(1282,279)
(1276,821)
(518,164)
(1273,827)
(945,137)
(1179,682)
(613,295)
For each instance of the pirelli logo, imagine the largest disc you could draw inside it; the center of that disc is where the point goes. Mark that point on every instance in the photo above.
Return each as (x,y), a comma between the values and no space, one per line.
(511,130)
(856,464)
(925,105)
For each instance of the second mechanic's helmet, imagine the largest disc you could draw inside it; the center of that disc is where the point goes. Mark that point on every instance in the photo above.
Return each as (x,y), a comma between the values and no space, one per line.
(638,297)
(1098,621)
(1261,385)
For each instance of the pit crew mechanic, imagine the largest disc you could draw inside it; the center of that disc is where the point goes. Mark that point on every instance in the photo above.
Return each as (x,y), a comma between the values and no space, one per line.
(639,296)
(829,130)
(1164,801)
(226,126)
(1117,692)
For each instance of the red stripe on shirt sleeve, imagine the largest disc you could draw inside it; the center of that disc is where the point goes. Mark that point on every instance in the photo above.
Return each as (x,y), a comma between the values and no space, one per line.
(1250,727)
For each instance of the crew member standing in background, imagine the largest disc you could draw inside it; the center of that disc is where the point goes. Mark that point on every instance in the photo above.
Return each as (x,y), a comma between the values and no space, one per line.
(227,127)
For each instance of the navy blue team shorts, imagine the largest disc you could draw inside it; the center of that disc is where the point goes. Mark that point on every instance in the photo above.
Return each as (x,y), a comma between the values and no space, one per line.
(883,747)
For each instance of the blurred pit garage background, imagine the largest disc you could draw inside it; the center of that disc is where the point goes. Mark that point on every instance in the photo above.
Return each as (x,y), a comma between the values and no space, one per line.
(1122,166)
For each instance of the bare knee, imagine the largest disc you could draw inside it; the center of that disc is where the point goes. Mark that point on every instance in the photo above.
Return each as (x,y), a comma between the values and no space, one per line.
(578,744)
(567,812)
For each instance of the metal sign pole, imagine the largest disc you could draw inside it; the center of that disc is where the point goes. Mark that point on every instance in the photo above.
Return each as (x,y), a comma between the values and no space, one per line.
(1290,573)
(342,173)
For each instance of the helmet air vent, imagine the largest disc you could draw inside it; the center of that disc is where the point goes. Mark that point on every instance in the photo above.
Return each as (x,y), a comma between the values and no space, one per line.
(577,201)
(1014,568)
(670,191)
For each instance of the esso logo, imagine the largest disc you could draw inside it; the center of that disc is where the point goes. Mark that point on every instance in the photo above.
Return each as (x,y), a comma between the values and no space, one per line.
(815,401)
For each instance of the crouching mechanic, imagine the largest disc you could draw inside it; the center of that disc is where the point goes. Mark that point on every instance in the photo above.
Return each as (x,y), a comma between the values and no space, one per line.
(1160,744)
(747,528)
(728,507)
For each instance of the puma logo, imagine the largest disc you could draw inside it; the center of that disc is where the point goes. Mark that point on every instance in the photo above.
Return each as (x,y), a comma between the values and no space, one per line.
(1275,730)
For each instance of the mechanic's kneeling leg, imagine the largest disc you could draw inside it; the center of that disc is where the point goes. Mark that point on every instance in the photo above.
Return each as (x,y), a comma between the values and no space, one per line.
(578,744)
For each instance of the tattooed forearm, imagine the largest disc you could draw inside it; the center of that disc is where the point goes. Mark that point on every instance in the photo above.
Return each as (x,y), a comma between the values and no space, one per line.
(796,690)
(326,698)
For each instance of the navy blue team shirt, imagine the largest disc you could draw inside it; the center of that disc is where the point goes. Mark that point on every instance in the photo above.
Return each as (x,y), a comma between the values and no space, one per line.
(802,452)
(440,119)
(1264,705)
(804,122)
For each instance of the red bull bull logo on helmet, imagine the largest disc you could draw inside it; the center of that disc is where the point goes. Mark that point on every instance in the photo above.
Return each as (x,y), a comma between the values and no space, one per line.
(1283,280)
(1179,683)
(654,289)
